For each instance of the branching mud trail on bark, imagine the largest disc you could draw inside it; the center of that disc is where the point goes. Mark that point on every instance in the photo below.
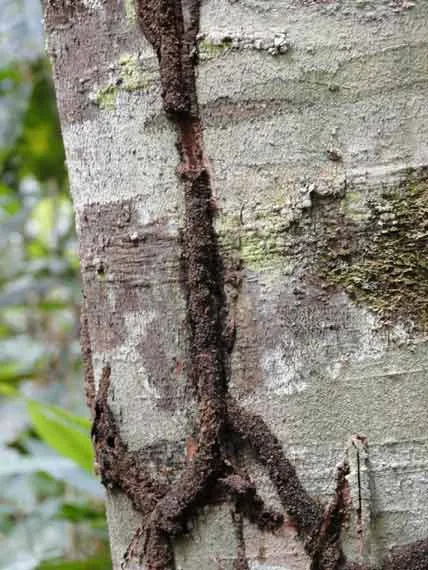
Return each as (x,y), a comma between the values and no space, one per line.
(211,475)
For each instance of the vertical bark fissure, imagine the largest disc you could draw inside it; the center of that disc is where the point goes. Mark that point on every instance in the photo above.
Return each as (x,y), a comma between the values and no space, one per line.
(240,562)
(86,351)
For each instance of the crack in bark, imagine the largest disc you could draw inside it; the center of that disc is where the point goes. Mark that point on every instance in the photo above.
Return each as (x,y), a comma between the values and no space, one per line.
(86,352)
(241,561)
(171,26)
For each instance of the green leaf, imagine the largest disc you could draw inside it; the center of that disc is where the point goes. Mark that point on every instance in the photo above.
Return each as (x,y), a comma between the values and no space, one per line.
(43,218)
(90,564)
(39,148)
(13,372)
(36,249)
(8,390)
(85,513)
(5,331)
(66,433)
(10,202)
(53,305)
(63,431)
(67,416)
(13,73)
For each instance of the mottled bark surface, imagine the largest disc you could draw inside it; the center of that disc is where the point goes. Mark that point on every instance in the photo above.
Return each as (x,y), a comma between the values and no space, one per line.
(315,127)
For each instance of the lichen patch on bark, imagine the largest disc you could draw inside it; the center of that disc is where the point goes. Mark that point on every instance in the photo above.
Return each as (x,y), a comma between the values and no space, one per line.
(381,261)
(369,242)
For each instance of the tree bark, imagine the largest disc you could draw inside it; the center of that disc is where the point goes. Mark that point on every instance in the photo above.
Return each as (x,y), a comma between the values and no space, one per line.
(250,182)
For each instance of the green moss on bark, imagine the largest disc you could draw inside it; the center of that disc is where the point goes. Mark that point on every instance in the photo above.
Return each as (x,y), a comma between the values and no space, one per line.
(132,76)
(211,50)
(260,244)
(382,261)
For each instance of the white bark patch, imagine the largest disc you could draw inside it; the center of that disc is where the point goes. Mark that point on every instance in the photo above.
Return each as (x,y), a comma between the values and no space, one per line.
(280,376)
(115,157)
(93,4)
(133,394)
(216,44)
(127,356)
(288,365)
(354,80)
(212,543)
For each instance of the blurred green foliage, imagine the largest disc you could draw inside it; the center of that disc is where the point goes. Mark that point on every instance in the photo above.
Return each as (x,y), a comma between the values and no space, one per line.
(51,505)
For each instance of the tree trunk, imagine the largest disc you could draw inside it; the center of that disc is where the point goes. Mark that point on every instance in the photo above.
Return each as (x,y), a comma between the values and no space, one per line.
(250,181)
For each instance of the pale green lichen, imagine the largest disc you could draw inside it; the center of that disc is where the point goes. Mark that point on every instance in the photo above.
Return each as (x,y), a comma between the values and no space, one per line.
(131,77)
(259,245)
(354,206)
(262,252)
(130,11)
(260,234)
(105,97)
(211,50)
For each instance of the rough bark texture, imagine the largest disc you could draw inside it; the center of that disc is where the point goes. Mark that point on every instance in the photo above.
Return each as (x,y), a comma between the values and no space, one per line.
(261,309)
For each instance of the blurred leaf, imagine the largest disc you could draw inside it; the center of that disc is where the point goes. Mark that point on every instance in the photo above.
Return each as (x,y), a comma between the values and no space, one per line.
(73,419)
(14,372)
(14,422)
(5,330)
(33,539)
(7,518)
(9,201)
(36,248)
(67,433)
(82,513)
(39,294)
(43,218)
(8,390)
(63,431)
(9,77)
(92,564)
(73,475)
(23,290)
(53,305)
(40,146)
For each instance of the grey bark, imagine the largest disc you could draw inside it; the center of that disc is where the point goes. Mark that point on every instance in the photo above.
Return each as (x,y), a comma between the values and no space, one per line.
(316,124)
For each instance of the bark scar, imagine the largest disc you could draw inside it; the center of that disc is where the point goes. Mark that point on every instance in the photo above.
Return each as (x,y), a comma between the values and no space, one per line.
(172,26)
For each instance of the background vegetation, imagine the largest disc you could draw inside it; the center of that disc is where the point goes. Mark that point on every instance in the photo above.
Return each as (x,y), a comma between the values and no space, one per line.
(51,504)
